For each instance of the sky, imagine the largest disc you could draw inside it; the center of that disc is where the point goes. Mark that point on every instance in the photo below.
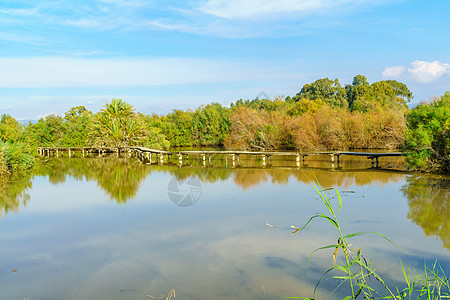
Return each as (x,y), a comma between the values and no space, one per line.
(173,54)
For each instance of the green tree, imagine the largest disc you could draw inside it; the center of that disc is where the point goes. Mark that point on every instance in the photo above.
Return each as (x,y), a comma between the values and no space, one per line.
(47,132)
(428,136)
(211,124)
(386,93)
(326,90)
(359,87)
(77,121)
(117,125)
(10,129)
(177,126)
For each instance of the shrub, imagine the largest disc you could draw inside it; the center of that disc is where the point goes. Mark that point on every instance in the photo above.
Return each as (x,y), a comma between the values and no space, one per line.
(428,136)
(14,158)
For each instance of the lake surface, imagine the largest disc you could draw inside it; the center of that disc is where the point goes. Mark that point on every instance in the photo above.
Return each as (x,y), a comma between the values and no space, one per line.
(113,228)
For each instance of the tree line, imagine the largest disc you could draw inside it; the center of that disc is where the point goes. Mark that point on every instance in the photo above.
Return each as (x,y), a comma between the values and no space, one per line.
(120,179)
(322,115)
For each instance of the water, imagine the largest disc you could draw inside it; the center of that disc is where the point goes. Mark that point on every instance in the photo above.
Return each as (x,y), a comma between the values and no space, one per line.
(105,228)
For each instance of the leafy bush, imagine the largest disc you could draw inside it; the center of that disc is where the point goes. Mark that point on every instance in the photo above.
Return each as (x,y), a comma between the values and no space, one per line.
(14,158)
(428,136)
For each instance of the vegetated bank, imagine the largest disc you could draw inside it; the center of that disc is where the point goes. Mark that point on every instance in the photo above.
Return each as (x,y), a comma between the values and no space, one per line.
(15,154)
(322,115)
(428,135)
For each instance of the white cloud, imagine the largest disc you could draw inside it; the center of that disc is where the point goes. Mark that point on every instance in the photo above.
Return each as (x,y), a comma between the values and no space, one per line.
(20,38)
(424,71)
(393,72)
(42,72)
(248,9)
(419,71)
(225,18)
(20,12)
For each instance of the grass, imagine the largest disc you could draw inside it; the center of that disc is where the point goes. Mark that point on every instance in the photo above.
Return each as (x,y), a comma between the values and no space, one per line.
(355,272)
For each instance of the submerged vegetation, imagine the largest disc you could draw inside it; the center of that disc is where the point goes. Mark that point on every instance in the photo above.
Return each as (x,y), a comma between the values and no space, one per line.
(322,115)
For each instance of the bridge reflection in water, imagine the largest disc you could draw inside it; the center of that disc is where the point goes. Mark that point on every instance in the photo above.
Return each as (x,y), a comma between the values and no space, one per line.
(232,158)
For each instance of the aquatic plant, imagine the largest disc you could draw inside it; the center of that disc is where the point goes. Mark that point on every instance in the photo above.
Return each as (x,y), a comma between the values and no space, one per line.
(169,296)
(353,269)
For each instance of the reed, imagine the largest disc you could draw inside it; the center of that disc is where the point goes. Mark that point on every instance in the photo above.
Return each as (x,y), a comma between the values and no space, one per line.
(169,296)
(356,272)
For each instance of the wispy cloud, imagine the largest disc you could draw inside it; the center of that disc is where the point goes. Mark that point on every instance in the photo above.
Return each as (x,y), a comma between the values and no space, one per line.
(20,38)
(82,72)
(88,14)
(261,18)
(252,9)
(226,18)
(20,12)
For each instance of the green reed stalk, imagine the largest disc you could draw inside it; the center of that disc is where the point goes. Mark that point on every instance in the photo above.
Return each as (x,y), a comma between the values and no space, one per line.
(358,271)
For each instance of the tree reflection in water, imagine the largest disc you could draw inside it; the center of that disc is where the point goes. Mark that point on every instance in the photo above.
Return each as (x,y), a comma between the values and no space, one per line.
(119,177)
(14,193)
(429,205)
(428,196)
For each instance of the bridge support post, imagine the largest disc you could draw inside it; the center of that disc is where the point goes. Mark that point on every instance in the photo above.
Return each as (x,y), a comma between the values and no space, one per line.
(372,162)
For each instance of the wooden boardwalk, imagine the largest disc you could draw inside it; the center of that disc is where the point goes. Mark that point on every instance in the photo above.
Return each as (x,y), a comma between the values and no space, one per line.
(146,154)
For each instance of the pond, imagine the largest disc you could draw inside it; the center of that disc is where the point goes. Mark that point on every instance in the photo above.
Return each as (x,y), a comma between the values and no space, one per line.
(114,228)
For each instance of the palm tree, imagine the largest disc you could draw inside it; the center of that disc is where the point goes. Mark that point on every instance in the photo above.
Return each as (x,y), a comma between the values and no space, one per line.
(117,125)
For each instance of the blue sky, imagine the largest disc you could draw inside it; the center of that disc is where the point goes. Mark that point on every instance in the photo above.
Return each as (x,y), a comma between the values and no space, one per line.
(162,55)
